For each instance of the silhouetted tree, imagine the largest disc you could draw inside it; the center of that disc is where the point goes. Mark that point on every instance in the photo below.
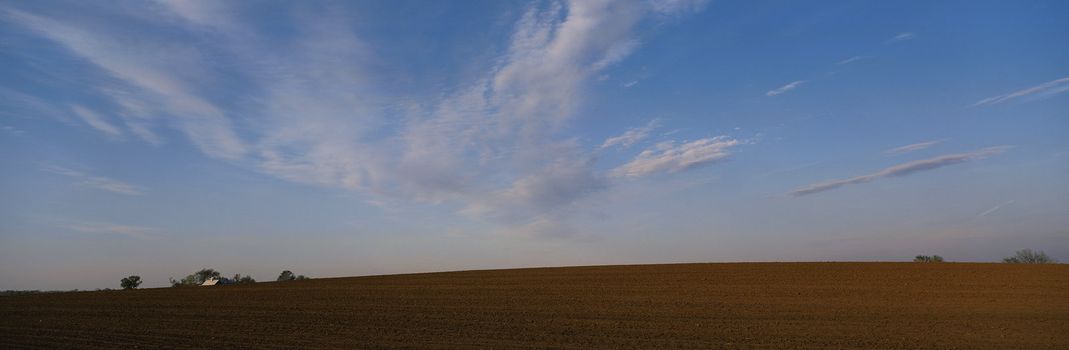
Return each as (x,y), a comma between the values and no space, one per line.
(239,279)
(928,258)
(1027,256)
(187,281)
(288,275)
(130,282)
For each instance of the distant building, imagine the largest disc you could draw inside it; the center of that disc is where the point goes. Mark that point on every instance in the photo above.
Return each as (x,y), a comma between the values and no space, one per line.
(216,282)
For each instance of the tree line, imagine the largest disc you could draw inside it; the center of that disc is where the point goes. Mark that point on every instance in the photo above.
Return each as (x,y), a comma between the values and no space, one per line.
(206,274)
(1023,256)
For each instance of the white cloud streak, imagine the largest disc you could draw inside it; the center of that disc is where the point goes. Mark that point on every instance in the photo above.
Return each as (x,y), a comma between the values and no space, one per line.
(901,37)
(96,122)
(11,129)
(782,89)
(1047,89)
(851,60)
(631,136)
(911,147)
(901,170)
(97,182)
(995,208)
(669,157)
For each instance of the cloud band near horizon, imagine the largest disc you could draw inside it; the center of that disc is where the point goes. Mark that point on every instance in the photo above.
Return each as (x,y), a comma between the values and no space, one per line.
(901,170)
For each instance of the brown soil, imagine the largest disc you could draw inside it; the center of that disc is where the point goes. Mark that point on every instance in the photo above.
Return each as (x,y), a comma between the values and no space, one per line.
(750,305)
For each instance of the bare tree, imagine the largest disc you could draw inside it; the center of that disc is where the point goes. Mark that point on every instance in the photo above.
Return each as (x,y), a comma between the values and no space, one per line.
(1027,256)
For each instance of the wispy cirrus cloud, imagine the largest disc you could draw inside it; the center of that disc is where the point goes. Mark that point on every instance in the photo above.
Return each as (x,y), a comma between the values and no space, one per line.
(631,136)
(313,112)
(851,60)
(901,37)
(503,124)
(677,7)
(22,105)
(669,157)
(96,122)
(995,208)
(1044,90)
(785,88)
(12,130)
(97,182)
(901,170)
(148,74)
(911,147)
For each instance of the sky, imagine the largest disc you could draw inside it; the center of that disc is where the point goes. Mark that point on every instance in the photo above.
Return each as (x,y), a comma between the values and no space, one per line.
(155,138)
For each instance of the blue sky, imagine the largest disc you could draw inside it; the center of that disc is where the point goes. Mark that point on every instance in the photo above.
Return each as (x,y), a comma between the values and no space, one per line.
(351,138)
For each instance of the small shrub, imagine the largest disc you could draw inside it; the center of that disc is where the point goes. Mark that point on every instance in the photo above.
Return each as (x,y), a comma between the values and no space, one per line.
(928,258)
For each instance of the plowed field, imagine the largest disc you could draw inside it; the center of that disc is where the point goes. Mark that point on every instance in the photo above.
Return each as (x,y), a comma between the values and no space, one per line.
(747,305)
